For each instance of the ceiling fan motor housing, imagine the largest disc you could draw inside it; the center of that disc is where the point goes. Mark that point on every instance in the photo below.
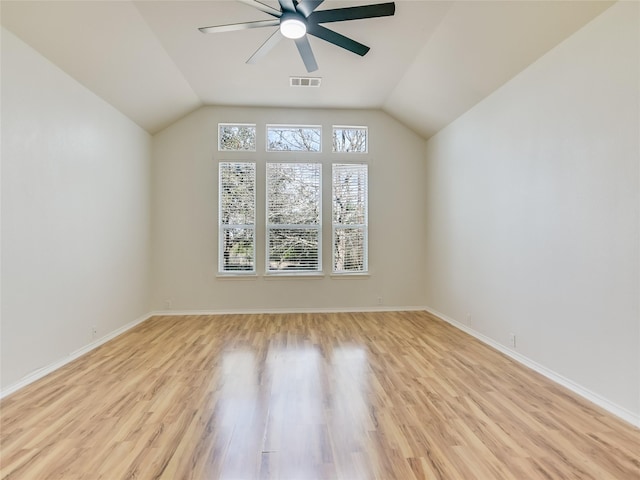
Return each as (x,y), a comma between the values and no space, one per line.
(293,25)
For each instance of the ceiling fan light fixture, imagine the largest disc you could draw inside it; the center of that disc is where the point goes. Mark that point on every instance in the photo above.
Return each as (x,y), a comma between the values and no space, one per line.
(297,19)
(293,28)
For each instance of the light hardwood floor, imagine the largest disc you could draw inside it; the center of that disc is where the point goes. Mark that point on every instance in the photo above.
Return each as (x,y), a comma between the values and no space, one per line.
(398,395)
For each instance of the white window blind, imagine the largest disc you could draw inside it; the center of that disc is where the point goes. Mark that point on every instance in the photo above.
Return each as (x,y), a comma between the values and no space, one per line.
(349,213)
(237,191)
(294,217)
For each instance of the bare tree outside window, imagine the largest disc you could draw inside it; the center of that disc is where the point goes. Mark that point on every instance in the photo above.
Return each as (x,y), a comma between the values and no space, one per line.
(293,138)
(237,217)
(293,216)
(349,212)
(350,139)
(237,137)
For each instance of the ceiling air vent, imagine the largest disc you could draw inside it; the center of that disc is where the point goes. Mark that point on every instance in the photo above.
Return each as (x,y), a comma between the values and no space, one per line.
(304,81)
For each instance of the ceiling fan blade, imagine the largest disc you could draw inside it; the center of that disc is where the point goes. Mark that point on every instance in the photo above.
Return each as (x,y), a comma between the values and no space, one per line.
(266,47)
(239,26)
(306,7)
(337,39)
(263,7)
(353,13)
(287,5)
(304,47)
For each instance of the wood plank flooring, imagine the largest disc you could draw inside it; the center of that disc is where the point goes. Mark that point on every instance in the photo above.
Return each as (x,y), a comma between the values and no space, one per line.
(397,395)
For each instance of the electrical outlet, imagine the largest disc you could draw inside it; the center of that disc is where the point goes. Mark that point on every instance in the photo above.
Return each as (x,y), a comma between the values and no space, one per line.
(168,304)
(512,340)
(94,331)
(379,300)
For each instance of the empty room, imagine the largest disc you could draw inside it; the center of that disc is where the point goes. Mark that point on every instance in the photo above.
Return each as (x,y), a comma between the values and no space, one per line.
(306,239)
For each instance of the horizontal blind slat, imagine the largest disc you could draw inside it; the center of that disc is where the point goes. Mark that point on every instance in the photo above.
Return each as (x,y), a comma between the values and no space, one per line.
(237,216)
(293,216)
(349,214)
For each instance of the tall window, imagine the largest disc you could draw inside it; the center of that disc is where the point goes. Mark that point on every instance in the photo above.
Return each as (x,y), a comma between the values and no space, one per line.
(349,212)
(237,217)
(294,217)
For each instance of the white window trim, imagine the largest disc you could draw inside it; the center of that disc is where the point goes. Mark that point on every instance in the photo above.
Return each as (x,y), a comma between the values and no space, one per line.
(298,275)
(351,275)
(237,276)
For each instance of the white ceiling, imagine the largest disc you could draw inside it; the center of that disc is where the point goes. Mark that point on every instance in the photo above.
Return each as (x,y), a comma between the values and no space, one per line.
(427,65)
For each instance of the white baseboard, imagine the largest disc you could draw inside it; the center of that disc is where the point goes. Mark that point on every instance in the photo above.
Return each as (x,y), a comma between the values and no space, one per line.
(41,372)
(617,410)
(285,310)
(611,407)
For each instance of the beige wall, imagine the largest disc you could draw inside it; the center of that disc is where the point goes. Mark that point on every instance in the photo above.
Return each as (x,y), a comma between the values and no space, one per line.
(75,215)
(533,212)
(185,235)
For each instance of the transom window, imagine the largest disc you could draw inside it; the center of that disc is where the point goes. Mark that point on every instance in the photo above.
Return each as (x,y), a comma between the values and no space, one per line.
(288,138)
(350,139)
(237,137)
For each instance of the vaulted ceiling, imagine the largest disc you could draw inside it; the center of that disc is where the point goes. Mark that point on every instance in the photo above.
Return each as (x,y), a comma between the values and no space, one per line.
(427,65)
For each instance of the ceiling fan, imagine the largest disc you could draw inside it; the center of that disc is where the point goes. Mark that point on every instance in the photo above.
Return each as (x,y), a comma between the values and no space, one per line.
(296,19)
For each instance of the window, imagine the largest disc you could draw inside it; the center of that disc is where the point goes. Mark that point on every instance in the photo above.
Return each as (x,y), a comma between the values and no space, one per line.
(350,139)
(237,217)
(292,238)
(294,217)
(237,136)
(294,138)
(349,212)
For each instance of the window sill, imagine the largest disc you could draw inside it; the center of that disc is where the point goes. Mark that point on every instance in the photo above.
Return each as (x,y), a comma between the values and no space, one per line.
(237,276)
(291,275)
(351,276)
